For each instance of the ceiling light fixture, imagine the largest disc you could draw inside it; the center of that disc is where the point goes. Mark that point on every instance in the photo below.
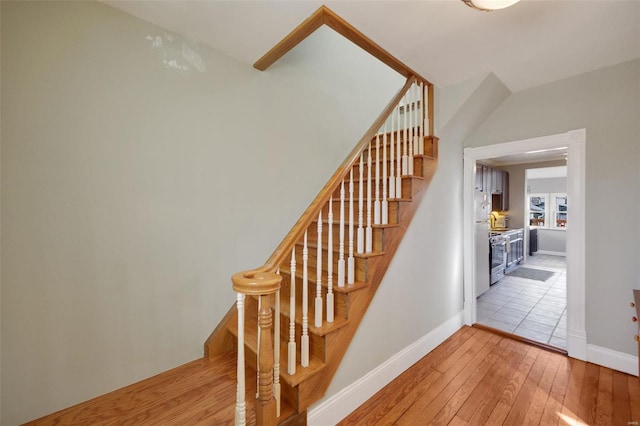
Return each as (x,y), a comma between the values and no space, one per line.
(489,5)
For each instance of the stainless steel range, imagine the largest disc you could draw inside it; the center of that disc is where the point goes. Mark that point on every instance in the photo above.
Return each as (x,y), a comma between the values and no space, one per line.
(498,257)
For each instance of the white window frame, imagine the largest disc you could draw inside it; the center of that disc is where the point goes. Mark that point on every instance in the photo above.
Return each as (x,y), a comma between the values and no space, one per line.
(550,210)
(554,210)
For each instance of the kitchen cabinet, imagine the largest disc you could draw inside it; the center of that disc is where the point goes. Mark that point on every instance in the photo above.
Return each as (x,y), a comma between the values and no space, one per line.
(516,248)
(486,179)
(495,183)
(479,176)
(533,241)
(505,191)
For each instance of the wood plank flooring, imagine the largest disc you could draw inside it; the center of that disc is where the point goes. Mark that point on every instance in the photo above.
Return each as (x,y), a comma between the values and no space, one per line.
(478,377)
(201,392)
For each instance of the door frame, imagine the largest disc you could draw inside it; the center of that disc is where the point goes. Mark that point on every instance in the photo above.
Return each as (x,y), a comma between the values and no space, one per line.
(575,141)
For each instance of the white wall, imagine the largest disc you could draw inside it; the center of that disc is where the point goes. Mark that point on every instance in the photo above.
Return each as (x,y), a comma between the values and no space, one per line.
(607,103)
(137,180)
(547,185)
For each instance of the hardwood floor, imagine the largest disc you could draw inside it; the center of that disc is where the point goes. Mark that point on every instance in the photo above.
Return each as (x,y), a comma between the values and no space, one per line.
(201,392)
(477,377)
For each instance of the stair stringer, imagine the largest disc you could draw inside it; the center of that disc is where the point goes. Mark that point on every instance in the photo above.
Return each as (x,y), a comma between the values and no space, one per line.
(337,343)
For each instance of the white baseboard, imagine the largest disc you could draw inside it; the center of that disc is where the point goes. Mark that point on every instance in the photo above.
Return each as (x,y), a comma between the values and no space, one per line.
(615,360)
(577,344)
(343,403)
(551,253)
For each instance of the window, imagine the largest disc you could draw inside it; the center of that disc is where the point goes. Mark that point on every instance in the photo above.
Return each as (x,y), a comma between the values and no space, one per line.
(559,205)
(548,210)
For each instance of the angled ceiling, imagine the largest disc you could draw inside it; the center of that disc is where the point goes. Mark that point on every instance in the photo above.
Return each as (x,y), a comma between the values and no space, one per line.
(531,43)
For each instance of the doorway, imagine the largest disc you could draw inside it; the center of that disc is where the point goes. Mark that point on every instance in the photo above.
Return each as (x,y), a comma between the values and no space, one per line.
(574,141)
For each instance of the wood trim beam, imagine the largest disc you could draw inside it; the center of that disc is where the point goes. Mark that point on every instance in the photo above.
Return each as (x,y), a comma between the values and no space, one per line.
(325,16)
(302,31)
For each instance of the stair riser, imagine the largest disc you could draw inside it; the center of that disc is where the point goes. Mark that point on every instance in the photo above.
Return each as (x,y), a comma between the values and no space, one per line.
(378,236)
(417,171)
(341,300)
(316,343)
(428,146)
(392,209)
(430,151)
(360,264)
(356,195)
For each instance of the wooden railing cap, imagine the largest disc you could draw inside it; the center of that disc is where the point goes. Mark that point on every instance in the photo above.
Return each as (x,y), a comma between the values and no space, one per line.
(256,282)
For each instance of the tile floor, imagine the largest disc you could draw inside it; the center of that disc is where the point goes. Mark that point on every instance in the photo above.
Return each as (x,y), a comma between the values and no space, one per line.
(533,309)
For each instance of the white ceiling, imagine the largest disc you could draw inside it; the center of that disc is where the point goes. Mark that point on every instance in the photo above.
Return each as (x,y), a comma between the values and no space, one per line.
(531,43)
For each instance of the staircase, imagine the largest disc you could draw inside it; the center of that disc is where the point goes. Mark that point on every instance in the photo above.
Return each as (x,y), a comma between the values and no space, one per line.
(267,366)
(339,250)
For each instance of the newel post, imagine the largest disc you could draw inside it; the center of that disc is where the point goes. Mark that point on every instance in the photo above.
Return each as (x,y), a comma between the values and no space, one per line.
(261,285)
(266,403)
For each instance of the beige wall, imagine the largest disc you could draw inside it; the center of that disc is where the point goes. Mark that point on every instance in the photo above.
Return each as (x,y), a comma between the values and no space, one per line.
(136,180)
(606,103)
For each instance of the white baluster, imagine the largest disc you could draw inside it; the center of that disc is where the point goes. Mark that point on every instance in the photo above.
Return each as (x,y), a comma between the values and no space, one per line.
(369,230)
(318,316)
(258,356)
(241,415)
(416,119)
(426,110)
(392,147)
(384,206)
(341,240)
(291,347)
(411,128)
(376,203)
(276,351)
(405,158)
(304,341)
(399,160)
(330,262)
(350,260)
(421,137)
(361,206)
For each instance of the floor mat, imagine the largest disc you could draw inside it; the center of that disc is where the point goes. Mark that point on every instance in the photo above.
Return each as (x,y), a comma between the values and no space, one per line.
(531,274)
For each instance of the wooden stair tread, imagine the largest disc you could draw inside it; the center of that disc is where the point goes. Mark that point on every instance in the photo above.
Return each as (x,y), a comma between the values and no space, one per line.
(348,288)
(326,328)
(313,245)
(355,224)
(200,391)
(365,179)
(301,374)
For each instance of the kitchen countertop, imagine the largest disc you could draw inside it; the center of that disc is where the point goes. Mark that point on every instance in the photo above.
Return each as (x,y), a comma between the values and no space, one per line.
(500,231)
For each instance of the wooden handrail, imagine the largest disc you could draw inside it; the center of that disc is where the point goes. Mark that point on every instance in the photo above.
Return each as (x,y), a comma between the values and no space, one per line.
(283,251)
(264,281)
(325,16)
